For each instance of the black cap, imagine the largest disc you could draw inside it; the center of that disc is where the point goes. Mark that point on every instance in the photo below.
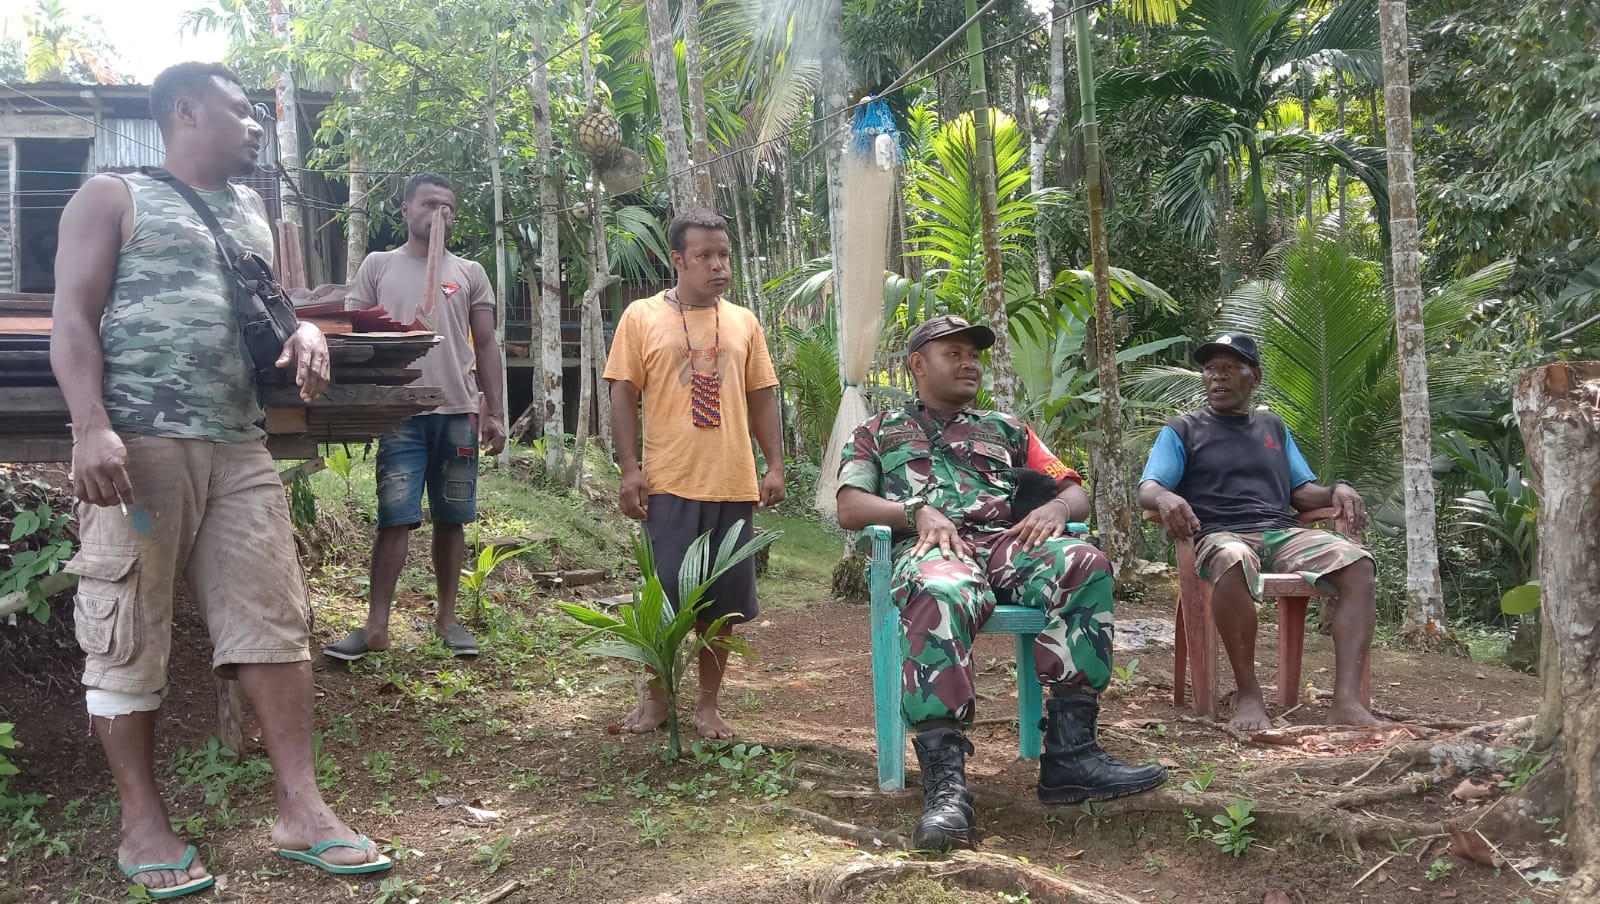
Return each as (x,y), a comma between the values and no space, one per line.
(946,325)
(1240,344)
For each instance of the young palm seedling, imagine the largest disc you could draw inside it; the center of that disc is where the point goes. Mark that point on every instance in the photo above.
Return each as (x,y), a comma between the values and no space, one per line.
(654,633)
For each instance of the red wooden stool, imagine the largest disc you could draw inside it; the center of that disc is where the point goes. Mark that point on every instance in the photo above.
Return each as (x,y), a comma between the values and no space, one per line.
(1196,642)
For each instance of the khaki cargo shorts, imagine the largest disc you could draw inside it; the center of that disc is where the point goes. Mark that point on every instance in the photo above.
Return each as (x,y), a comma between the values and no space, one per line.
(1312,554)
(213,514)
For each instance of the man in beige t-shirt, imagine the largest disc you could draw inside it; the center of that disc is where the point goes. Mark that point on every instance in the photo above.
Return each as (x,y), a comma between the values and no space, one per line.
(699,369)
(437,451)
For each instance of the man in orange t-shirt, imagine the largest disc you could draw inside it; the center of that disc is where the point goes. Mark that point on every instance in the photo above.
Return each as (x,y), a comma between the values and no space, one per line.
(699,370)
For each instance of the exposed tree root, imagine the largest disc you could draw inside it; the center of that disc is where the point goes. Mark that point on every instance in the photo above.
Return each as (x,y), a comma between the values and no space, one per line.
(870,838)
(1315,819)
(1355,800)
(798,745)
(972,870)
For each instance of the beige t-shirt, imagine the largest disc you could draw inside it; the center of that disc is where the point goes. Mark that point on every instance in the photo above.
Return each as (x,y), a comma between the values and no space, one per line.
(709,464)
(392,281)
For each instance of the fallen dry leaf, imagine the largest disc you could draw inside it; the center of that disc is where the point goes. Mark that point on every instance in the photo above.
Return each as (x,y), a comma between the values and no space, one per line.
(1277,897)
(1168,762)
(1468,846)
(1136,724)
(445,801)
(1472,790)
(482,815)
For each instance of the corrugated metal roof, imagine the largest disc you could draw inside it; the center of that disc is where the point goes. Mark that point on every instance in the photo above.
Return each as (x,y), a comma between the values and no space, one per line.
(137,142)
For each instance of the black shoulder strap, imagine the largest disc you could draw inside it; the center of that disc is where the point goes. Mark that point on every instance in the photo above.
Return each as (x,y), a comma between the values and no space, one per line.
(230,251)
(936,440)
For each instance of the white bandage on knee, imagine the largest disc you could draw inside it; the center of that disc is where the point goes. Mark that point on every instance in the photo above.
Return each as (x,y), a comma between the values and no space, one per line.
(110,704)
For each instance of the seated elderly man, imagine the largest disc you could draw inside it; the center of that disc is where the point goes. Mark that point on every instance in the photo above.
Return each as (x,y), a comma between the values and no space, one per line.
(945,477)
(1231,477)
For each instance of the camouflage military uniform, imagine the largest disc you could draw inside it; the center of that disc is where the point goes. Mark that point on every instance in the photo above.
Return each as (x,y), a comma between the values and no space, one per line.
(944,602)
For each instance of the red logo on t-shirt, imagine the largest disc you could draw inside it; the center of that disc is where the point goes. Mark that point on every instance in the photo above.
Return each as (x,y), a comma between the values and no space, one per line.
(1272,444)
(449,288)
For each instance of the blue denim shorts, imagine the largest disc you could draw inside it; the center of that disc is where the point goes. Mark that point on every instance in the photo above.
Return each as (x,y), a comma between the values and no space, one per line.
(439,451)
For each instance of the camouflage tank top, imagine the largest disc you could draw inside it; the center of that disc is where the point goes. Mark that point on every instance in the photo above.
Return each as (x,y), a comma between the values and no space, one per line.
(174,365)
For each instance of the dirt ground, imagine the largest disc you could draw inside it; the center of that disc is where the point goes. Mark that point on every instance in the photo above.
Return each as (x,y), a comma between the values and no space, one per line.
(506,771)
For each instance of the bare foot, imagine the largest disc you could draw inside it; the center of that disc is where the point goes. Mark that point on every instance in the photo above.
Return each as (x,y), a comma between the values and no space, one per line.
(710,724)
(651,711)
(158,844)
(300,831)
(1250,714)
(1350,713)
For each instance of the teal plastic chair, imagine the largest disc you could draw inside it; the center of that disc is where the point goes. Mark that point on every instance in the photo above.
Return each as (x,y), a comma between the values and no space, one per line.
(1024,622)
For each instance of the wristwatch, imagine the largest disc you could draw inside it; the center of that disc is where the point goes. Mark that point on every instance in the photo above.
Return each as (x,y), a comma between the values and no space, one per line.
(912,506)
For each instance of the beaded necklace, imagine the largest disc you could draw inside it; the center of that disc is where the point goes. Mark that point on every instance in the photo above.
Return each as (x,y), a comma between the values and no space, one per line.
(705,389)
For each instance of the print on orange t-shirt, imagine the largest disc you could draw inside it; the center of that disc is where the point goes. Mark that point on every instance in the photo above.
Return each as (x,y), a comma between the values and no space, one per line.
(709,464)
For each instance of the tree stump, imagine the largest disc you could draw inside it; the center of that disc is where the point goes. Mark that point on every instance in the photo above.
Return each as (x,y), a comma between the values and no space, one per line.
(1557,410)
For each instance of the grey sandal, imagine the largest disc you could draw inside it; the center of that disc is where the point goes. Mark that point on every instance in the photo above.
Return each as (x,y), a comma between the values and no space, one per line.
(352,648)
(459,641)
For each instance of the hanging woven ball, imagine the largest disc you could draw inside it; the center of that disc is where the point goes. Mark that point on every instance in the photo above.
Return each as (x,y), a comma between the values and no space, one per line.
(599,134)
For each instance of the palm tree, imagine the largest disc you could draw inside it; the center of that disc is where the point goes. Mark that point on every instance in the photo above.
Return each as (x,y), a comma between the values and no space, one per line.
(1240,60)
(63,46)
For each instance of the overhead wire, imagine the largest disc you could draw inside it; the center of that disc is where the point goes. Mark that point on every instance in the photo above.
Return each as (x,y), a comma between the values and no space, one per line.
(906,80)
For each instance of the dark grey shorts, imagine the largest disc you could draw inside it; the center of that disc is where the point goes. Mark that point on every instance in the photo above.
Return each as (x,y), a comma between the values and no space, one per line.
(675,523)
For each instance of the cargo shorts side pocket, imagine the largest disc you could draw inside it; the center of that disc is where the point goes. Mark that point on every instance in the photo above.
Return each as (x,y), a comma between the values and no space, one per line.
(106,610)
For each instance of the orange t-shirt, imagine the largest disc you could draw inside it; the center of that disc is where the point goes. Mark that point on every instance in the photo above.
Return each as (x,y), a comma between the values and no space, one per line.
(709,464)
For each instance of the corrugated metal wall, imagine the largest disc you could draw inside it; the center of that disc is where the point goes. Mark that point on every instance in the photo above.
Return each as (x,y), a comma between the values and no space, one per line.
(8,218)
(132,143)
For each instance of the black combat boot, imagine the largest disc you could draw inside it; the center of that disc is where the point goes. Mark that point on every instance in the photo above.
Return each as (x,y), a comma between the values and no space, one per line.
(1073,767)
(947,817)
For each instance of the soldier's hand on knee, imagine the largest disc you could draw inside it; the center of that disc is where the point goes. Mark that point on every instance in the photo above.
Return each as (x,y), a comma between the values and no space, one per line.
(936,531)
(1043,523)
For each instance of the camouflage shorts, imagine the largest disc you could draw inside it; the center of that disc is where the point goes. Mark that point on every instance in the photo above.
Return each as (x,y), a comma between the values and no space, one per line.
(1312,554)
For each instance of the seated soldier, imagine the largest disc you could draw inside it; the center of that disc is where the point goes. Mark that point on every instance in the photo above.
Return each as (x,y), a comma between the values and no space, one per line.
(1232,478)
(941,474)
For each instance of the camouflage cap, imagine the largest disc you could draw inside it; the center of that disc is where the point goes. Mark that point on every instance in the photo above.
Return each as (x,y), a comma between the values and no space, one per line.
(946,325)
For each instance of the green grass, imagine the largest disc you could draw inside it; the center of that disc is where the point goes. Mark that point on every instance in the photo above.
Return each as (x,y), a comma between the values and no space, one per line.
(510,504)
(802,561)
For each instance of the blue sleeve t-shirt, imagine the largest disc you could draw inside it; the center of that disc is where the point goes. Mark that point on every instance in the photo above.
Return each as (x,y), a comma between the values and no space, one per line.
(1236,471)
(1167,459)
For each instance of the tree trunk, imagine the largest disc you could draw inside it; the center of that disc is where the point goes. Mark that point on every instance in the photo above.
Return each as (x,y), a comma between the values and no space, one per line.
(1309,170)
(835,125)
(1425,623)
(553,418)
(355,229)
(1260,210)
(664,64)
(1043,135)
(1002,371)
(591,340)
(1114,514)
(1340,175)
(700,144)
(1547,726)
(288,134)
(501,260)
(750,235)
(1557,409)
(1227,251)
(741,249)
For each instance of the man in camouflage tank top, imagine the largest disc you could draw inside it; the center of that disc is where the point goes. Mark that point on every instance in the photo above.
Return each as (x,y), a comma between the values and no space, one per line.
(942,475)
(173,476)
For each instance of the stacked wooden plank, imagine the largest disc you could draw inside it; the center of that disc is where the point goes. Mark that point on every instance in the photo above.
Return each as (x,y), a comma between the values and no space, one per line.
(371,391)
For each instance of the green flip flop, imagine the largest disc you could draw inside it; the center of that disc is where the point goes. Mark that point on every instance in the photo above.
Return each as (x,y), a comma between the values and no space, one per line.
(313,856)
(171,891)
